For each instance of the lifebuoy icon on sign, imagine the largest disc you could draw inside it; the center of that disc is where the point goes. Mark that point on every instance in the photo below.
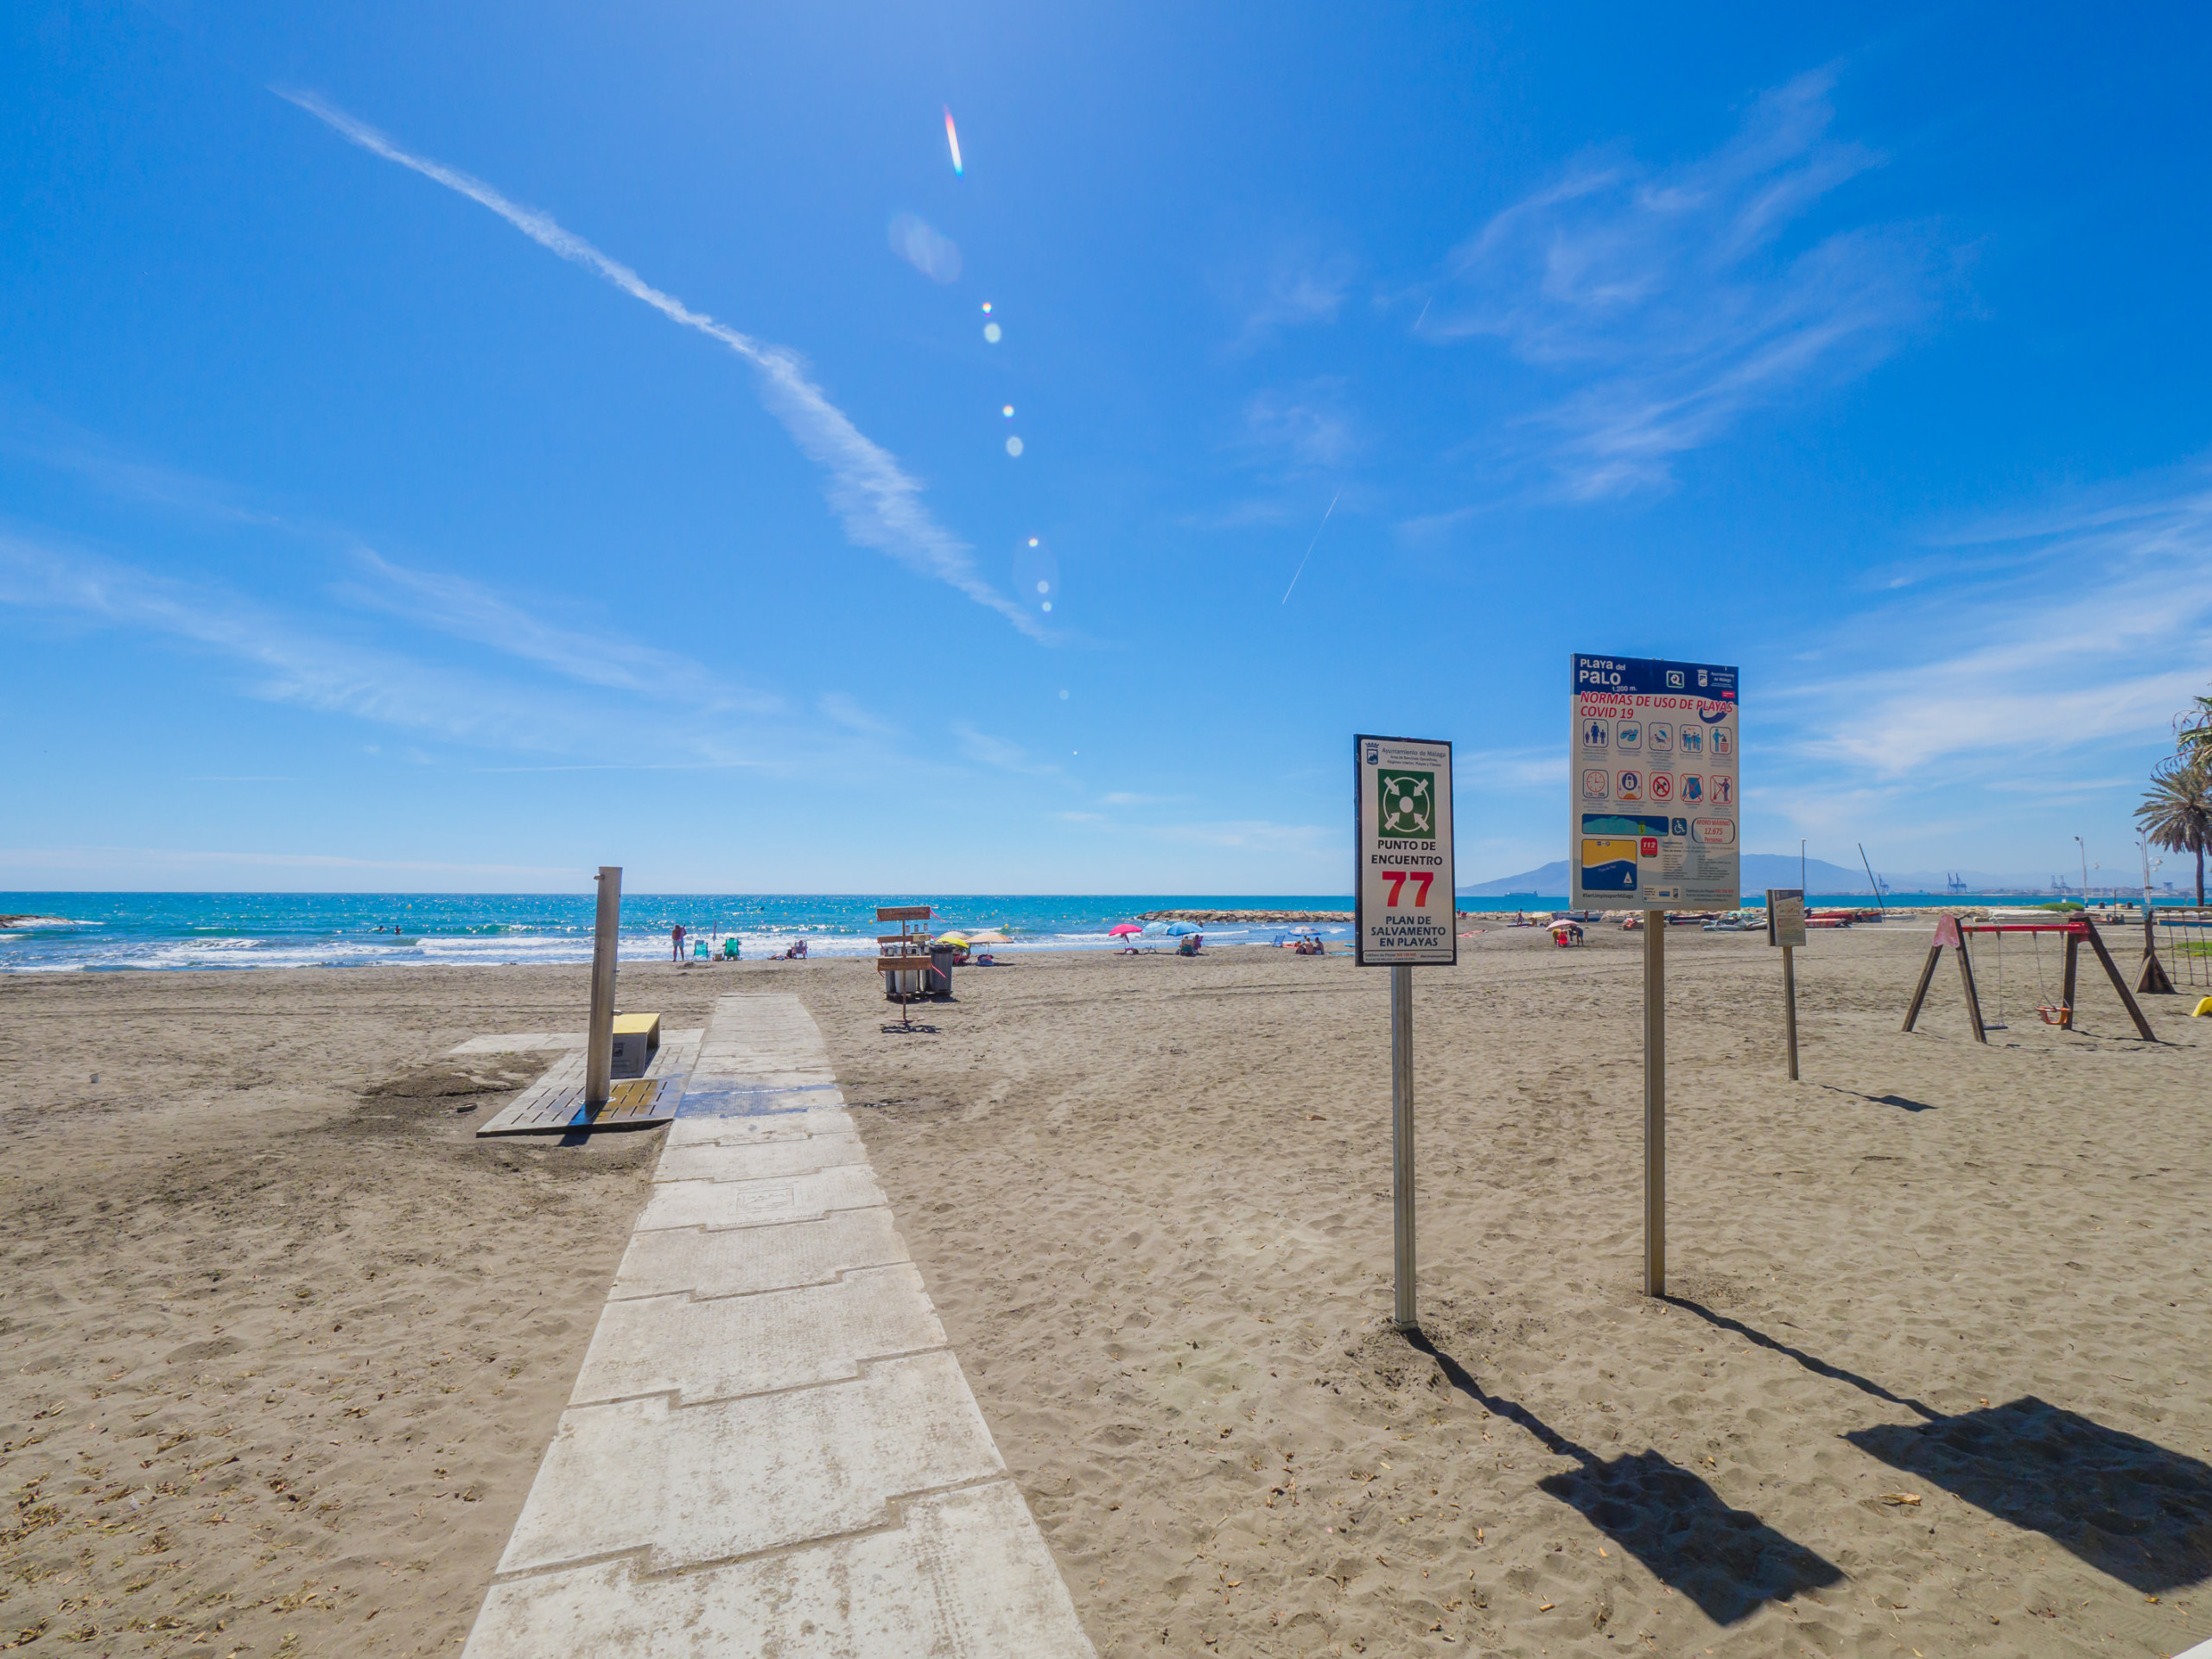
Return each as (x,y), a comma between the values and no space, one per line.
(1594,783)
(1724,789)
(1627,786)
(1663,784)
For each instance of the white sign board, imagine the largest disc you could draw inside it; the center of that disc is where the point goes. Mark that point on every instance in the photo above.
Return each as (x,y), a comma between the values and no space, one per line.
(1652,786)
(1401,891)
(1785,916)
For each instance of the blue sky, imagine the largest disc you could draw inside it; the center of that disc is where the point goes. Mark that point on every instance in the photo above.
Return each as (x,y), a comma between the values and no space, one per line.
(446,447)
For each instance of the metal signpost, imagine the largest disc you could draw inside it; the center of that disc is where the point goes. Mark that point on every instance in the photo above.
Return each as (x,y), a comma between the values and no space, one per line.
(599,1040)
(1405,917)
(1652,826)
(1785,926)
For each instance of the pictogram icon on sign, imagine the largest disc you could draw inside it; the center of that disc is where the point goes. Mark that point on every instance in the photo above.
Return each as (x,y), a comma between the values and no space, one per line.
(1662,785)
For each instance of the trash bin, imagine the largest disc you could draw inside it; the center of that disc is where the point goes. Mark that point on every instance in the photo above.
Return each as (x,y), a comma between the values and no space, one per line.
(939,980)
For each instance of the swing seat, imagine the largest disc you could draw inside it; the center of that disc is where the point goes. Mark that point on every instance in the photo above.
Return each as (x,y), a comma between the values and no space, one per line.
(2057,1013)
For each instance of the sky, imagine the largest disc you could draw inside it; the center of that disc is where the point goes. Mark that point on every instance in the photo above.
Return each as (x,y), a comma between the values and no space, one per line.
(451,446)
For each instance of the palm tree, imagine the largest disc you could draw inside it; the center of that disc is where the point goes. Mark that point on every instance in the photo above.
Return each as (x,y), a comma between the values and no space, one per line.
(2177,810)
(2193,729)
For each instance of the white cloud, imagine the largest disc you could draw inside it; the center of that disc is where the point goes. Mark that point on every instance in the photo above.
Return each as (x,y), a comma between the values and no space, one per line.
(2096,628)
(287,662)
(997,752)
(1307,425)
(1668,295)
(879,504)
(1524,768)
(1298,291)
(936,256)
(849,713)
(1252,835)
(111,858)
(468,610)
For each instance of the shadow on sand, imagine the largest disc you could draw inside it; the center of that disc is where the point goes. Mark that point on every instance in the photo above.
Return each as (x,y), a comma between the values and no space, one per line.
(2127,1506)
(1728,1561)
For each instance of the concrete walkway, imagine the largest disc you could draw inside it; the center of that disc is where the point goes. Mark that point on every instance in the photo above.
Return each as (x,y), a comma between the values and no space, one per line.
(770,1449)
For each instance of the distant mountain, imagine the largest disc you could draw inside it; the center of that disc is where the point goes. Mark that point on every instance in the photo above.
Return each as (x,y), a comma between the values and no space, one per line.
(1764,870)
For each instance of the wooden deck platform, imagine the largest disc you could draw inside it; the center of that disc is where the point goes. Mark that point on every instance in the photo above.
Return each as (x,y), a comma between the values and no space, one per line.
(554,1104)
(639,1103)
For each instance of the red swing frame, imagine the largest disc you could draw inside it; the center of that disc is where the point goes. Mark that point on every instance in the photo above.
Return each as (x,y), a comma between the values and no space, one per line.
(1952,932)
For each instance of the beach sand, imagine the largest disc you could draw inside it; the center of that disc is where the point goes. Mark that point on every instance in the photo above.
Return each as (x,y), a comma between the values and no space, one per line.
(1150,1198)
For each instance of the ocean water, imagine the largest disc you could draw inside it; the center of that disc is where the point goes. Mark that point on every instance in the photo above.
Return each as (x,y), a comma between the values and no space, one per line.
(97,932)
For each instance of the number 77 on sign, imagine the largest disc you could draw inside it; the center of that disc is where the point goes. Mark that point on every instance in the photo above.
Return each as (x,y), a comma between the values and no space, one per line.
(1402,888)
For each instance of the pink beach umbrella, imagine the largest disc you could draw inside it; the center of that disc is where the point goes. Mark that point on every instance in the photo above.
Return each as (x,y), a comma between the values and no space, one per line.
(1122,930)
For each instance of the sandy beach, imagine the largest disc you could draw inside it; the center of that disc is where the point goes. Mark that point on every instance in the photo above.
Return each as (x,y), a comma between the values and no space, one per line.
(285,1343)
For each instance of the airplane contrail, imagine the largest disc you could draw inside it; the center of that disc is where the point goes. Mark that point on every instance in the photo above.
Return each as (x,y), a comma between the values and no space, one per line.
(1310,546)
(877,501)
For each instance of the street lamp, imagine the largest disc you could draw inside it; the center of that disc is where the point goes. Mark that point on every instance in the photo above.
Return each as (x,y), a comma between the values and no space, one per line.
(2083,845)
(1801,863)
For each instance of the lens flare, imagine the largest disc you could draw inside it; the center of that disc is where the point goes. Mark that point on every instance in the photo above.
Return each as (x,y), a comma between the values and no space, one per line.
(1014,445)
(1007,411)
(986,308)
(952,140)
(992,333)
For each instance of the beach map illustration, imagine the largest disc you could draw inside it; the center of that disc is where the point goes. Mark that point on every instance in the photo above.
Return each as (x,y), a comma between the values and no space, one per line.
(1651,764)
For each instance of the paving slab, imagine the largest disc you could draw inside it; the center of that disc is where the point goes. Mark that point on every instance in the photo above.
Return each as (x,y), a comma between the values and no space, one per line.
(727,1345)
(770,1449)
(777,1096)
(702,1484)
(754,1203)
(718,1160)
(738,1260)
(966,1574)
(696,1129)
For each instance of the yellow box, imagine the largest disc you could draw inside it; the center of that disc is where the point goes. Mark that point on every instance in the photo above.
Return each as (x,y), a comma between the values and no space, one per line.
(637,1039)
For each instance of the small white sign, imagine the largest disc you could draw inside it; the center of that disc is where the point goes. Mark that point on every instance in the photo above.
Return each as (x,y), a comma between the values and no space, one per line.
(1652,786)
(1785,916)
(1402,891)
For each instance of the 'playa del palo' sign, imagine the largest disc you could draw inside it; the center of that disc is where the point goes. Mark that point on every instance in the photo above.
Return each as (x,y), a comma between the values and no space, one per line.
(1403,894)
(1652,786)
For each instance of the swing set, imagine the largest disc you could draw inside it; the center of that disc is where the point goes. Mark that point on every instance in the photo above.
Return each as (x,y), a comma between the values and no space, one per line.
(1952,932)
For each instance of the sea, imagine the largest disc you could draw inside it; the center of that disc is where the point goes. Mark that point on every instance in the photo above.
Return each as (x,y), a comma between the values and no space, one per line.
(102,932)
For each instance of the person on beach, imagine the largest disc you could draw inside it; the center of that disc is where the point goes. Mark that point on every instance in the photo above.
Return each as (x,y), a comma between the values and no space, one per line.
(676,943)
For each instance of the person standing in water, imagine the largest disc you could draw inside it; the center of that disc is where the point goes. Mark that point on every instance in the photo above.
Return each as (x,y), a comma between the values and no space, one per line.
(675,939)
